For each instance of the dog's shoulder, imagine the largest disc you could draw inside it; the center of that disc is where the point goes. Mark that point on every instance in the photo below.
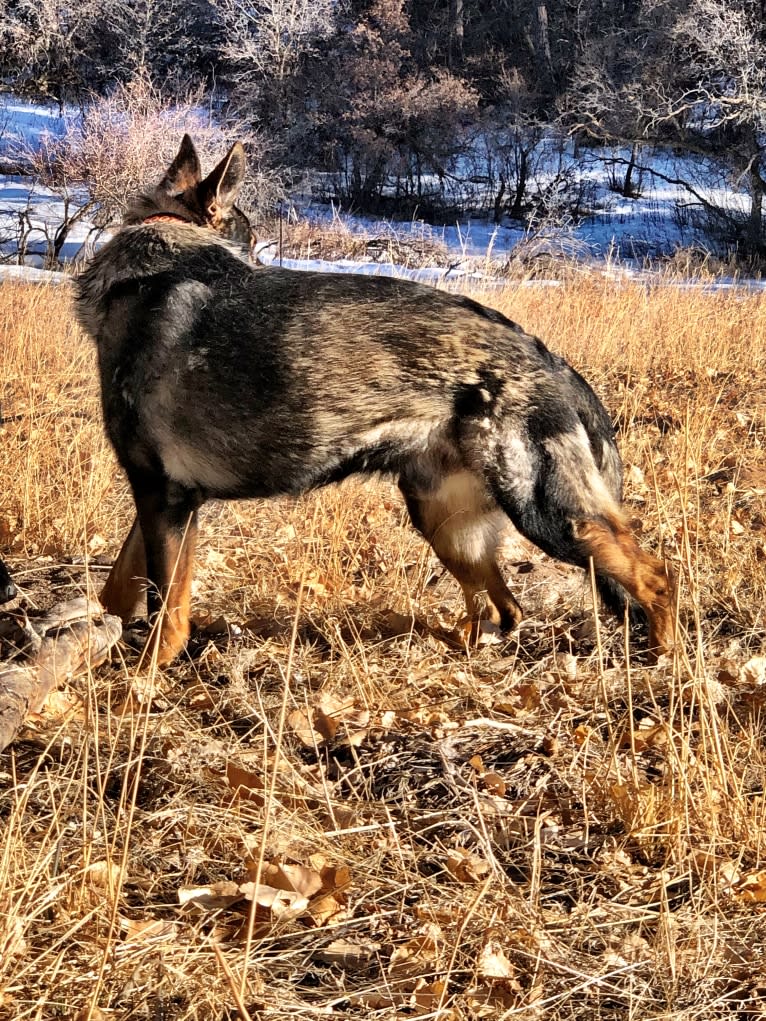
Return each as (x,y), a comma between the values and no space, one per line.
(142,252)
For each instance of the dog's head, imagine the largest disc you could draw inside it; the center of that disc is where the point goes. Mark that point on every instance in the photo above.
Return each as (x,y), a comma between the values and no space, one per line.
(184,195)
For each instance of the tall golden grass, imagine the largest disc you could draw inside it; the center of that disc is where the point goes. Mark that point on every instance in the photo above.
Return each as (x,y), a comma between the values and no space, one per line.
(545,828)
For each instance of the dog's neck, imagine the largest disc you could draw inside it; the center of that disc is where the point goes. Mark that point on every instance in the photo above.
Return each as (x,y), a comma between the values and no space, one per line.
(166,218)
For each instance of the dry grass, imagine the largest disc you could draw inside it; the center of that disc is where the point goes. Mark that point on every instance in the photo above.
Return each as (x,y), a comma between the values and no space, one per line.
(541,829)
(337,240)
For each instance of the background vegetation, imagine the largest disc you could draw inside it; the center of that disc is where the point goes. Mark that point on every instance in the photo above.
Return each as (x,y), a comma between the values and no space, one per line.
(394,106)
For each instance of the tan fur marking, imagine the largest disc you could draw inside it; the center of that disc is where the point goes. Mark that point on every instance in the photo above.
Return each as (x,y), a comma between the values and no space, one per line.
(462,523)
(487,597)
(616,553)
(126,583)
(171,630)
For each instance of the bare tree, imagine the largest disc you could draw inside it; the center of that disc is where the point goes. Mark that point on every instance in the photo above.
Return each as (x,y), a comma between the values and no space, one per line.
(512,133)
(688,72)
(266,39)
(66,51)
(50,48)
(722,56)
(378,121)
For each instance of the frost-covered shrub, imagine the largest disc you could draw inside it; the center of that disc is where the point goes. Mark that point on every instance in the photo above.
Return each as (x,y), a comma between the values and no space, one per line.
(121,143)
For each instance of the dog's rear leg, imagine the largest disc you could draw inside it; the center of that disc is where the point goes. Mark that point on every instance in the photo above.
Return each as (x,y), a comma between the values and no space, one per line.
(462,522)
(617,555)
(127,578)
(168,517)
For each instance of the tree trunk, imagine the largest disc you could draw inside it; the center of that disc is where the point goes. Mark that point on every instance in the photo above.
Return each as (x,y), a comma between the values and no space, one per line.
(498,204)
(627,185)
(755,220)
(521,188)
(543,45)
(757,189)
(456,34)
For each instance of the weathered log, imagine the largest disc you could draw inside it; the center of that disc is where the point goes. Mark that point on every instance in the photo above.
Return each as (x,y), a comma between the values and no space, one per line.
(72,637)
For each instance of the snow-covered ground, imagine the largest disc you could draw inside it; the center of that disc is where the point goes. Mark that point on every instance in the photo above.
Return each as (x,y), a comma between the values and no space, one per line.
(616,228)
(25,125)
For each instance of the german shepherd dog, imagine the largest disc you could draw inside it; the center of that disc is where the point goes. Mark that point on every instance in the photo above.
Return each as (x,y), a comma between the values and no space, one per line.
(223,380)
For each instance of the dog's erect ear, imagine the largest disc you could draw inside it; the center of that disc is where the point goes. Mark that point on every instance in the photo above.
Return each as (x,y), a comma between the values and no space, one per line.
(185,171)
(219,190)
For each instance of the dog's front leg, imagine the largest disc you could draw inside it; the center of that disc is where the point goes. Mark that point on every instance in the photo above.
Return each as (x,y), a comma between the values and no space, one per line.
(168,519)
(127,579)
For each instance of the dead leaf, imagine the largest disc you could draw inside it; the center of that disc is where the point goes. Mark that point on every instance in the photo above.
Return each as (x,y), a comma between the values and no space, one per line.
(466,866)
(581,734)
(325,725)
(333,715)
(281,903)
(331,719)
(96,544)
(645,737)
(754,671)
(529,696)
(706,863)
(566,665)
(246,784)
(334,878)
(145,689)
(59,706)
(216,628)
(550,745)
(314,583)
(103,875)
(494,783)
(211,898)
(728,673)
(491,999)
(150,930)
(200,698)
(288,890)
(376,1000)
(327,908)
(299,723)
(292,878)
(635,476)
(397,625)
(12,940)
(420,952)
(428,997)
(493,963)
(349,954)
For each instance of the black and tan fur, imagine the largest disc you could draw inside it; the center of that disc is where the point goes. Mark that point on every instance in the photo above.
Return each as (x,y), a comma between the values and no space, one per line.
(220,380)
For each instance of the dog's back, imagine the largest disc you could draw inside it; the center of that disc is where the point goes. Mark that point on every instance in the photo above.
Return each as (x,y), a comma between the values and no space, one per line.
(351,373)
